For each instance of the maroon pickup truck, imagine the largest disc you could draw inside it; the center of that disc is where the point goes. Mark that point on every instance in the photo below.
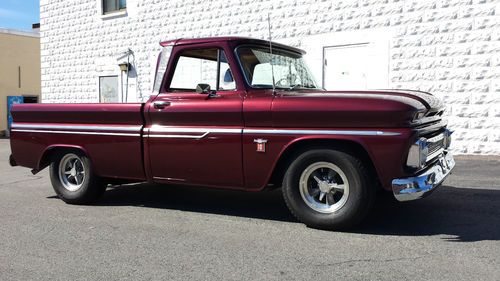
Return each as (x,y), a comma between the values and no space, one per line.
(234,113)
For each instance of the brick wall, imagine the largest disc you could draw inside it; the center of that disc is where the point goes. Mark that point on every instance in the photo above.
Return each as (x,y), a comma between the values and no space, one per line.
(448,47)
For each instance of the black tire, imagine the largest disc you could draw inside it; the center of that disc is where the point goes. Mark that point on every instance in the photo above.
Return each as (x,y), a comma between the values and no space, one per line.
(353,208)
(90,186)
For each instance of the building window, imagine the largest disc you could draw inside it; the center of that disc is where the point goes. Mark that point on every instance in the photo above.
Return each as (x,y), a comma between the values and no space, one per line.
(108,89)
(111,6)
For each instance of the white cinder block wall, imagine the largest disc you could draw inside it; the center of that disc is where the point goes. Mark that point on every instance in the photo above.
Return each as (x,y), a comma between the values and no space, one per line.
(448,47)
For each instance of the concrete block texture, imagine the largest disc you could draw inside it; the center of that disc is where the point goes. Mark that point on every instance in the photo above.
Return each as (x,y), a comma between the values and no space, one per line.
(449,47)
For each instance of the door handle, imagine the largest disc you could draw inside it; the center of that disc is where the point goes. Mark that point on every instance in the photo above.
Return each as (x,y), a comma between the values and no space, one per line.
(160,104)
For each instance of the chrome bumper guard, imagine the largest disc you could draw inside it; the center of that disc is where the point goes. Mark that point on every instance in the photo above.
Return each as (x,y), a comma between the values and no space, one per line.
(416,187)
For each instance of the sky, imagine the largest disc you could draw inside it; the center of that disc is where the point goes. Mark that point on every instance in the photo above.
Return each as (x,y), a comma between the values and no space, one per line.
(19,14)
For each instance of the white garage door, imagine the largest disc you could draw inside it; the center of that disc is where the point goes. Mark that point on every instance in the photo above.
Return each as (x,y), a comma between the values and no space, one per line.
(354,67)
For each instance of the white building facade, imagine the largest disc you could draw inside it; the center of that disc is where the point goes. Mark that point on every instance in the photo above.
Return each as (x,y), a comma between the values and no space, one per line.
(450,48)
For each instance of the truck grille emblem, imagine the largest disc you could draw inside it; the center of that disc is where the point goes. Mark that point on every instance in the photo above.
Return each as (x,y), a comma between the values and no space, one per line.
(261,144)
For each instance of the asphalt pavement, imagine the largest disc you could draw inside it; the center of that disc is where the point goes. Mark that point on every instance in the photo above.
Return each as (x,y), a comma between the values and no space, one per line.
(152,232)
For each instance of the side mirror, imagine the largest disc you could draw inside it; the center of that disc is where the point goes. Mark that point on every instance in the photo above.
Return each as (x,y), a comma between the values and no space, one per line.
(203,89)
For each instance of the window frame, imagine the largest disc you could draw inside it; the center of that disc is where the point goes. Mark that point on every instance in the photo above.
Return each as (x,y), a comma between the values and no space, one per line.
(113,12)
(178,54)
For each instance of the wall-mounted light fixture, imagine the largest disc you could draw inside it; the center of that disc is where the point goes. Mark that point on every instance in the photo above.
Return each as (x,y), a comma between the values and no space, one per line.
(124,66)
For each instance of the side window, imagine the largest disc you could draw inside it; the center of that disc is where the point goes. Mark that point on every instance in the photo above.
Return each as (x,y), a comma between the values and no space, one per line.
(202,66)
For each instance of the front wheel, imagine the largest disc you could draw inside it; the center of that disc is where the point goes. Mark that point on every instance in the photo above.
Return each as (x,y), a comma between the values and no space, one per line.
(73,179)
(328,189)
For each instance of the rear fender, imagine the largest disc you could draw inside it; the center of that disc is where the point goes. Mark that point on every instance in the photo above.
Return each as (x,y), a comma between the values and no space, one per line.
(45,159)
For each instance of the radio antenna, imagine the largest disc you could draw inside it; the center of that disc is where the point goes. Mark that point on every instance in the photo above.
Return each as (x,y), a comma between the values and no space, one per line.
(271,51)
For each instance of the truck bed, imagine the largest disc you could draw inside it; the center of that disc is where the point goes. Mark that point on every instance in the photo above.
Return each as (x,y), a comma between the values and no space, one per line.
(110,134)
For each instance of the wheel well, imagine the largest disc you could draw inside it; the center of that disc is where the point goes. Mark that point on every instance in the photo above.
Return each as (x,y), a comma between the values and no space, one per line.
(299,147)
(46,158)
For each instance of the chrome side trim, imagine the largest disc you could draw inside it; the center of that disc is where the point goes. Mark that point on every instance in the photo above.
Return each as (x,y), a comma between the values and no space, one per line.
(199,137)
(157,131)
(77,133)
(207,130)
(168,179)
(204,131)
(161,129)
(116,128)
(319,132)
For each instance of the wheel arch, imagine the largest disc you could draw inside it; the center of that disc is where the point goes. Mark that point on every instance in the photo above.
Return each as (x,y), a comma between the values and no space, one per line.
(298,146)
(50,151)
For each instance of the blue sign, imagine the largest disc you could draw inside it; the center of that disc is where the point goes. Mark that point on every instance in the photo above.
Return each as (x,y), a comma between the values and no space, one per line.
(10,101)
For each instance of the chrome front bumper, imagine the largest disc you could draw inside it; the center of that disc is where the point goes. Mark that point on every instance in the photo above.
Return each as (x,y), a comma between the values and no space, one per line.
(416,187)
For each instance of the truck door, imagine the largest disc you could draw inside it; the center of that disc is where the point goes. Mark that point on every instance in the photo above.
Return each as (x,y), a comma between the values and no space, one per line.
(195,137)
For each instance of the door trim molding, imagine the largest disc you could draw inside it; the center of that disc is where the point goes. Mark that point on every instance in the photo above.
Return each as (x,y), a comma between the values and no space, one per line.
(176,132)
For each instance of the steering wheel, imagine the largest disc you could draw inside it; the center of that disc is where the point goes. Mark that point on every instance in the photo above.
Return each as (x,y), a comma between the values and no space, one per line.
(285,81)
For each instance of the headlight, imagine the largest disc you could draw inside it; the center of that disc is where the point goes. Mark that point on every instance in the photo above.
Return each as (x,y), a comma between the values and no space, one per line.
(447,138)
(417,156)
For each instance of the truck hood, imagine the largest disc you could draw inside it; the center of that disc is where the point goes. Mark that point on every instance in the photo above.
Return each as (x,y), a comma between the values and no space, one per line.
(381,108)
(417,99)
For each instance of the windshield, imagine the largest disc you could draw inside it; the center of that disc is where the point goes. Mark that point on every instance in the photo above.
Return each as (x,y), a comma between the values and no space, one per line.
(290,70)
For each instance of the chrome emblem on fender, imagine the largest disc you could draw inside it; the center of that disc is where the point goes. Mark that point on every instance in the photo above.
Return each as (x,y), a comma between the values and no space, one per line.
(261,144)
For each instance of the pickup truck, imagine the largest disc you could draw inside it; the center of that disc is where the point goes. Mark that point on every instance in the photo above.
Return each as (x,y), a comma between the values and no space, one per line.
(246,114)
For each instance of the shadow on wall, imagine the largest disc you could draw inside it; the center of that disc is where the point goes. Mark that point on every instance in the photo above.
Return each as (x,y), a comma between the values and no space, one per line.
(466,214)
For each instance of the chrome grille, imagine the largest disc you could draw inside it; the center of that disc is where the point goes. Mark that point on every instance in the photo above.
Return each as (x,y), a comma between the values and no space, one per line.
(436,146)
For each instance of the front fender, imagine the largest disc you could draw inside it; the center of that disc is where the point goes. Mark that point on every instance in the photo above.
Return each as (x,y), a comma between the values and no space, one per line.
(386,153)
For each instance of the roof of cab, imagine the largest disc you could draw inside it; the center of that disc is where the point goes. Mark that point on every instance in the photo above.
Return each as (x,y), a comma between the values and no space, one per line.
(242,40)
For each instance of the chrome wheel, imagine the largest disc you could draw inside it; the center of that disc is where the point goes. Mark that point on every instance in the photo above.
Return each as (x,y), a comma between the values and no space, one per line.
(324,187)
(71,172)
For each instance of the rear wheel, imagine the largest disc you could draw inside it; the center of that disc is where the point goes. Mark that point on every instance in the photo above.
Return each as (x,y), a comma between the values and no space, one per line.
(73,179)
(328,189)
